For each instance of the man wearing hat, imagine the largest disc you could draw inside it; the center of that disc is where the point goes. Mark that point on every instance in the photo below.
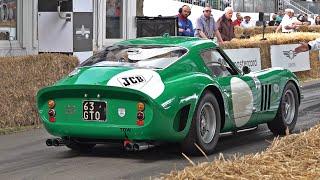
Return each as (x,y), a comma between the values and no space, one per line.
(289,23)
(247,23)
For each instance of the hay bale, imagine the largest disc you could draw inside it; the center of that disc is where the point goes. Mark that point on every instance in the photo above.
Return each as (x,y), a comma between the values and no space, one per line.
(296,156)
(278,39)
(257,30)
(21,78)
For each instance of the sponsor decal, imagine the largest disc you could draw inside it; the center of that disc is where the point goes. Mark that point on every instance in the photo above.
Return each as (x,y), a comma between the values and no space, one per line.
(290,54)
(285,57)
(131,80)
(245,57)
(144,80)
(121,112)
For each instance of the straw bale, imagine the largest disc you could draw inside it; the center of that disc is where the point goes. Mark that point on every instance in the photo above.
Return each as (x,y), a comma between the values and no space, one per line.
(257,30)
(279,39)
(296,156)
(21,78)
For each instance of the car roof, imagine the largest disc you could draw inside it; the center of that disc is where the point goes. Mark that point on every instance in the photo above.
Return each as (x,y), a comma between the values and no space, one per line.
(186,42)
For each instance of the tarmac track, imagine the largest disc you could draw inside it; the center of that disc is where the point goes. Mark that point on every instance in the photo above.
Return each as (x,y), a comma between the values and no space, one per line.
(25,155)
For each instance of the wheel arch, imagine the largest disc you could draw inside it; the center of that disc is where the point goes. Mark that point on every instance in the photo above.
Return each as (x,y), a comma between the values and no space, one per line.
(217,93)
(295,83)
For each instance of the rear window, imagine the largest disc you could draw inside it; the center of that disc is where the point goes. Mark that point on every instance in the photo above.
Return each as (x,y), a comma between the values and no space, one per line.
(149,57)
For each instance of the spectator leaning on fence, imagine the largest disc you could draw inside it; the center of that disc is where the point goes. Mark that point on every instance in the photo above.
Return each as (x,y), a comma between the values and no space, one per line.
(206,26)
(289,23)
(185,25)
(225,25)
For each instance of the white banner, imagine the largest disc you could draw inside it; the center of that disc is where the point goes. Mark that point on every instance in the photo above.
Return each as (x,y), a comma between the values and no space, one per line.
(245,57)
(284,56)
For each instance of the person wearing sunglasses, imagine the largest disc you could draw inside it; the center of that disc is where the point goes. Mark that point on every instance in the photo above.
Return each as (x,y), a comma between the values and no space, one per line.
(206,27)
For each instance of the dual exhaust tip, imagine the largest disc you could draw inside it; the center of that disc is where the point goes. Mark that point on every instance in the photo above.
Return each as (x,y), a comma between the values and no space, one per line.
(128,145)
(137,146)
(55,142)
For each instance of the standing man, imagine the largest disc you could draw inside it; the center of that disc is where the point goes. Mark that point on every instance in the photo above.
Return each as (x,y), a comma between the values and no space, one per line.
(225,25)
(185,25)
(289,23)
(238,21)
(206,26)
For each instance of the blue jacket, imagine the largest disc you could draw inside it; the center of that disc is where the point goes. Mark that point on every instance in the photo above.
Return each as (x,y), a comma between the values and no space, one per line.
(186,24)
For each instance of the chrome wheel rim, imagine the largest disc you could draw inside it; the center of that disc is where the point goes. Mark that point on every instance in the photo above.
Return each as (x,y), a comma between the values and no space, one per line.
(288,107)
(207,122)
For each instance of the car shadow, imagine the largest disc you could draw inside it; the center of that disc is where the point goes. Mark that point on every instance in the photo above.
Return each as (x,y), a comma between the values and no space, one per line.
(240,144)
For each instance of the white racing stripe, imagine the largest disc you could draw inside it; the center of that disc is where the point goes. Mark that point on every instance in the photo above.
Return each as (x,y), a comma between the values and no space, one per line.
(143,80)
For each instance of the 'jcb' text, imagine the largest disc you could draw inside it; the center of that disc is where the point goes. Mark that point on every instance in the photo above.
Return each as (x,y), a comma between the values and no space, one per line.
(133,80)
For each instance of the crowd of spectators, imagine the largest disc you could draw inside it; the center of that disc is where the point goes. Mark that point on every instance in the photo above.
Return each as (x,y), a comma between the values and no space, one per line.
(222,29)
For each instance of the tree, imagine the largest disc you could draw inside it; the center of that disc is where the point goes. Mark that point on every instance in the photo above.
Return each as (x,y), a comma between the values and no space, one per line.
(139,8)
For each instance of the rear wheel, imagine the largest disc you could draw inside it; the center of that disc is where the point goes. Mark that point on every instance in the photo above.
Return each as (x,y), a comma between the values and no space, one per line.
(287,114)
(205,127)
(78,146)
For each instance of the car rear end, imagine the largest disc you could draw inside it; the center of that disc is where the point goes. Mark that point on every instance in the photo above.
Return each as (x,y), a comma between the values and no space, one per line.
(99,112)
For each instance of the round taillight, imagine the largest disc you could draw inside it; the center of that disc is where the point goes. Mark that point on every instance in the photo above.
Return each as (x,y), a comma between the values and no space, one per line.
(52,119)
(140,115)
(52,112)
(140,106)
(51,104)
(140,122)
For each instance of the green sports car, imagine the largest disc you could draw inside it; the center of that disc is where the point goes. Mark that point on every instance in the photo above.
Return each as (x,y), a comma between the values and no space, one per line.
(172,89)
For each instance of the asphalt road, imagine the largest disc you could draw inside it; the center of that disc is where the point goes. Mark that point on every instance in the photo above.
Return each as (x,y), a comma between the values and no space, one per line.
(25,155)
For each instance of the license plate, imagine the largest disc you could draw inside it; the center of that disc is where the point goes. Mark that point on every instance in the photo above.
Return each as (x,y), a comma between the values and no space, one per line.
(94,110)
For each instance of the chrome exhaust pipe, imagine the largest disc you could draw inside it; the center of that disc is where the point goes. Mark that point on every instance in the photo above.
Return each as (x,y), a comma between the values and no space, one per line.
(58,142)
(140,146)
(49,142)
(128,146)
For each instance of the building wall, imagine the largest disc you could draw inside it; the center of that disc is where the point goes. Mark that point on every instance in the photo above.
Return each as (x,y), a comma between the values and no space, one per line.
(268,6)
(25,39)
(22,38)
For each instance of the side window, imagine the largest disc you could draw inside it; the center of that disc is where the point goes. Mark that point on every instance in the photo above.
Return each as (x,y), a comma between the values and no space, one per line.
(216,63)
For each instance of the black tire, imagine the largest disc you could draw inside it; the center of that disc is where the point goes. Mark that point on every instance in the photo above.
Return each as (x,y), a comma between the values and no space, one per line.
(79,147)
(195,135)
(281,122)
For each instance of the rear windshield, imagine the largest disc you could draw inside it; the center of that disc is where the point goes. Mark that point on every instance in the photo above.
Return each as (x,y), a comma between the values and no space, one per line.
(149,57)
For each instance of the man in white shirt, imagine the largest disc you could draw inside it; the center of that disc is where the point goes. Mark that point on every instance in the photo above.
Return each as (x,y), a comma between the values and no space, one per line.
(289,23)
(247,23)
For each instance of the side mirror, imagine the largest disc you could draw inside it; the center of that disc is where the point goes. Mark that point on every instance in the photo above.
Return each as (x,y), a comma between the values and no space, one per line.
(246,70)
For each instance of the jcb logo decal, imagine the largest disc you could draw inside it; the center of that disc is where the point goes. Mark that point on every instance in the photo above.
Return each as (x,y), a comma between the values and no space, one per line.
(132,80)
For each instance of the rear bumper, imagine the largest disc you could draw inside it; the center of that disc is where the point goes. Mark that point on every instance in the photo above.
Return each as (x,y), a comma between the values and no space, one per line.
(102,131)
